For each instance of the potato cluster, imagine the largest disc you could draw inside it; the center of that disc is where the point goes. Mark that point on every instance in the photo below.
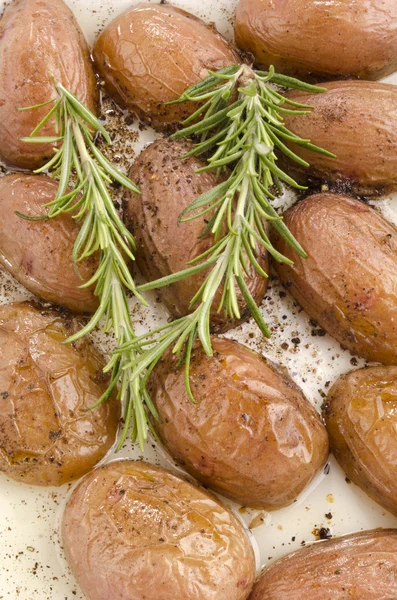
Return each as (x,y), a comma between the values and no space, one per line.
(132,530)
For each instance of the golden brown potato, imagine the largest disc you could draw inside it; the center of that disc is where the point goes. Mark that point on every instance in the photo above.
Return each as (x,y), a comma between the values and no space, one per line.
(357,121)
(362,565)
(46,436)
(152,53)
(348,283)
(133,530)
(39,39)
(252,436)
(168,185)
(325,39)
(39,253)
(361,419)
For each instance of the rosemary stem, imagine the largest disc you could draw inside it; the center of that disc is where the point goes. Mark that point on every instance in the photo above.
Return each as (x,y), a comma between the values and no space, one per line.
(83,152)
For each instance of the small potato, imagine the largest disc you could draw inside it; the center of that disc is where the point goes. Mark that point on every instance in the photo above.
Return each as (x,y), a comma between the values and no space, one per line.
(46,435)
(357,121)
(252,436)
(135,531)
(168,185)
(361,419)
(348,283)
(39,40)
(356,38)
(152,53)
(39,253)
(360,566)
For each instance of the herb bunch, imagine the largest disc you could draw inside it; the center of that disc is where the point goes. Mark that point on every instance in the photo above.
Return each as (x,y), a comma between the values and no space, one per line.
(102,232)
(238,138)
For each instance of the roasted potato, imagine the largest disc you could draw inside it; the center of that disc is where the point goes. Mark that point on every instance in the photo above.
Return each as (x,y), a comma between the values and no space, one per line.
(252,436)
(152,53)
(348,283)
(361,418)
(168,185)
(323,39)
(357,121)
(46,435)
(39,253)
(133,530)
(362,565)
(39,40)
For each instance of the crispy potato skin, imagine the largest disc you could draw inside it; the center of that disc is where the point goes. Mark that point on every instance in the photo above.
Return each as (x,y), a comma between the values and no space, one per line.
(348,283)
(152,53)
(360,414)
(39,253)
(45,437)
(38,38)
(331,39)
(252,436)
(133,530)
(345,115)
(168,185)
(362,566)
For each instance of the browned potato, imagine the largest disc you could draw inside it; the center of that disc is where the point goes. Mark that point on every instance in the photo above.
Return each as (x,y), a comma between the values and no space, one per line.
(168,185)
(361,419)
(152,53)
(134,531)
(348,283)
(39,39)
(252,436)
(322,38)
(362,565)
(357,121)
(39,253)
(46,436)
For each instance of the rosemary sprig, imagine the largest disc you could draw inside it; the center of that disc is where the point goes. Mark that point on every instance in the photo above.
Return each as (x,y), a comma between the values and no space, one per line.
(102,231)
(241,136)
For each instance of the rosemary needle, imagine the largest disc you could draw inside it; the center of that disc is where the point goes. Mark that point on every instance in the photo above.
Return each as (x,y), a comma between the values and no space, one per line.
(103,232)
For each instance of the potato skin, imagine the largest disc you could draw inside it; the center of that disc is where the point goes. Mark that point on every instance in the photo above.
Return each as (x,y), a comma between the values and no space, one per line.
(39,253)
(45,437)
(345,115)
(133,530)
(252,436)
(169,184)
(348,283)
(360,414)
(152,53)
(38,38)
(362,565)
(331,39)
